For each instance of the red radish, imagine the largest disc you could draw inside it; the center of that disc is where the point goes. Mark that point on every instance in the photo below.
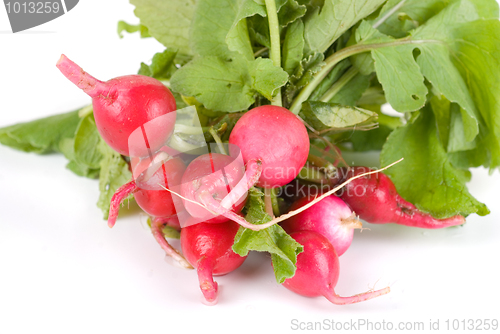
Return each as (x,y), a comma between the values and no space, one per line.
(207,180)
(275,137)
(375,199)
(208,247)
(153,198)
(330,217)
(318,271)
(149,192)
(274,144)
(123,104)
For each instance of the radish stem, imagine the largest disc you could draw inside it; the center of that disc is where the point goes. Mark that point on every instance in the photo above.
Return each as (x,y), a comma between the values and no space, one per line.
(268,202)
(217,139)
(339,84)
(274,32)
(274,201)
(156,226)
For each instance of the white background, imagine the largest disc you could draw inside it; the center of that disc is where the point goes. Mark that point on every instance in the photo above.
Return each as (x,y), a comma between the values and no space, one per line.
(62,270)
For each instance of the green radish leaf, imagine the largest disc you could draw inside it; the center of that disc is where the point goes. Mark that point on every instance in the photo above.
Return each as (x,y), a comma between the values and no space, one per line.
(458,138)
(67,147)
(440,106)
(293,46)
(266,78)
(302,75)
(352,91)
(405,89)
(375,139)
(84,171)
(42,135)
(477,52)
(219,84)
(397,18)
(330,79)
(130,28)
(283,248)
(322,116)
(114,174)
(436,42)
(258,29)
(426,176)
(228,85)
(408,15)
(451,120)
(290,12)
(218,30)
(436,64)
(162,65)
(237,37)
(87,138)
(323,27)
(168,21)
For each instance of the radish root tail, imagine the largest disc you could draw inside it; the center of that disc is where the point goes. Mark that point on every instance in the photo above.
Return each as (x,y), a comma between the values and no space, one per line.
(117,199)
(338,300)
(156,226)
(208,286)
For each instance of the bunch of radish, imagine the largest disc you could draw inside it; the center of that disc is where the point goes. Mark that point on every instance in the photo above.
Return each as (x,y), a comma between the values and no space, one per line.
(204,197)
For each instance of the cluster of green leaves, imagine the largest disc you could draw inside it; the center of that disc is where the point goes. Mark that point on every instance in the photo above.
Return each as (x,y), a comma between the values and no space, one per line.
(75,135)
(445,75)
(435,61)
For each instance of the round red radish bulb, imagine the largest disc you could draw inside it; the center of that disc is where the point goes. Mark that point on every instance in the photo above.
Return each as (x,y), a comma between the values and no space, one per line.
(123,104)
(149,192)
(330,217)
(276,138)
(318,271)
(375,199)
(208,179)
(208,247)
(152,197)
(150,178)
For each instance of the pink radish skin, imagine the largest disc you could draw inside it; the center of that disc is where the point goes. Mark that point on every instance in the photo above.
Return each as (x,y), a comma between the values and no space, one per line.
(148,194)
(151,196)
(207,180)
(318,271)
(375,199)
(275,137)
(208,248)
(330,217)
(155,201)
(123,104)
